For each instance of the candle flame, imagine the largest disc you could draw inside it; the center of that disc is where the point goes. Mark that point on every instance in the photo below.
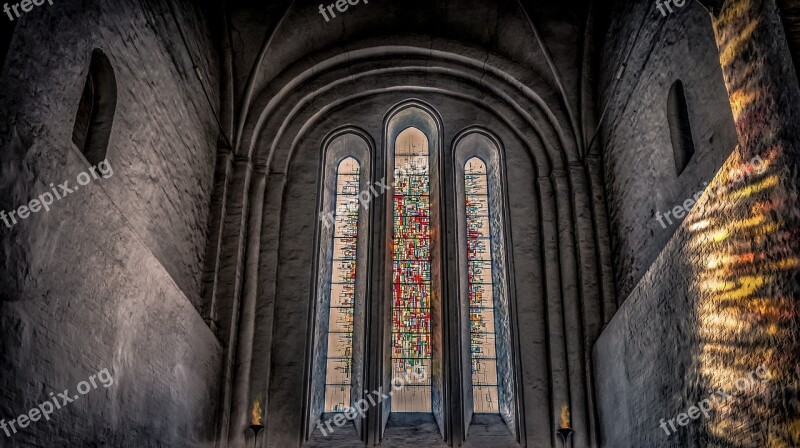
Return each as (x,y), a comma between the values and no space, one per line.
(257,412)
(564,416)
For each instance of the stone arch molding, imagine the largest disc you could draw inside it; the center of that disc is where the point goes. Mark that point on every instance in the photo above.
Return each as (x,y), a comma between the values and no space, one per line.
(712,6)
(272,123)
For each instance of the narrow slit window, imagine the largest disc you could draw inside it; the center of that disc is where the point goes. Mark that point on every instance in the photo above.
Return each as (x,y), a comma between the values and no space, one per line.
(92,130)
(680,128)
(483,350)
(339,369)
(411,267)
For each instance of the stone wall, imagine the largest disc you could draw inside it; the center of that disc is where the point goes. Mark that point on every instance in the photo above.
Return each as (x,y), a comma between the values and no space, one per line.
(640,173)
(718,305)
(164,134)
(109,278)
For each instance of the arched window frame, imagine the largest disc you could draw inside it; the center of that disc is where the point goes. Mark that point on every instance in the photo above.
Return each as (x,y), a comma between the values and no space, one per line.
(416,114)
(468,144)
(341,144)
(95,113)
(6,39)
(680,127)
(451,364)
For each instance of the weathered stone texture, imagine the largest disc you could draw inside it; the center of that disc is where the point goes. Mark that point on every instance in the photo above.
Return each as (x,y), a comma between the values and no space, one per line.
(163,140)
(109,278)
(720,301)
(640,173)
(107,304)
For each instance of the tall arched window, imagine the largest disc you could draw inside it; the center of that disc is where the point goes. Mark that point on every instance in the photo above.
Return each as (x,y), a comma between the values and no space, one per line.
(338,377)
(6,36)
(487,369)
(95,116)
(411,266)
(339,318)
(411,303)
(480,289)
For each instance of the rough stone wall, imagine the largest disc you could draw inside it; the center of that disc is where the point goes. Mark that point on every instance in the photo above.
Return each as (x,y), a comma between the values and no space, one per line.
(164,134)
(109,277)
(640,174)
(717,310)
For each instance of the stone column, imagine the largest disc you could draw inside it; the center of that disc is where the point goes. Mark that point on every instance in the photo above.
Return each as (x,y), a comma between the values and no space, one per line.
(242,396)
(559,372)
(759,252)
(226,300)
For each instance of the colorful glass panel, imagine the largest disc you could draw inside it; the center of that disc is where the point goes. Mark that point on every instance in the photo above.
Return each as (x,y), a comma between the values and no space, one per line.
(411,279)
(480,289)
(338,376)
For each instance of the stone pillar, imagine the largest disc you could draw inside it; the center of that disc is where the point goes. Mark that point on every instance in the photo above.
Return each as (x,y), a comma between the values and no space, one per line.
(226,300)
(572,303)
(243,398)
(759,252)
(559,372)
(591,291)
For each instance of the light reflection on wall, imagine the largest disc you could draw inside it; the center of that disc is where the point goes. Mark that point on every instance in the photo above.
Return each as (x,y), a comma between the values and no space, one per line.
(739,317)
(744,245)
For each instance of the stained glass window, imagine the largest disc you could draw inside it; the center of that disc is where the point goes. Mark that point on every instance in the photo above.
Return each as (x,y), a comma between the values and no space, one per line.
(411,265)
(338,377)
(480,289)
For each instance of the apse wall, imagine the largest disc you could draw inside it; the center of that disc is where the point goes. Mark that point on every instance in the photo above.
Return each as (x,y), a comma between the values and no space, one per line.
(477,63)
(713,320)
(356,84)
(108,278)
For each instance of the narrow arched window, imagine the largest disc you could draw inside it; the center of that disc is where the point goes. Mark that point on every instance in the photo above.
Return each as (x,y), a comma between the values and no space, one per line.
(411,267)
(339,319)
(487,359)
(95,116)
(338,378)
(483,352)
(680,127)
